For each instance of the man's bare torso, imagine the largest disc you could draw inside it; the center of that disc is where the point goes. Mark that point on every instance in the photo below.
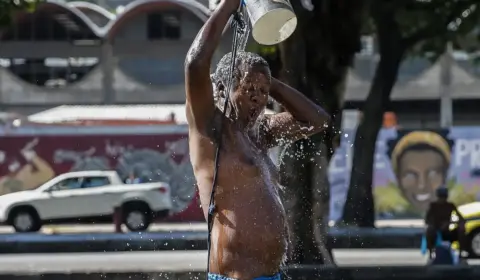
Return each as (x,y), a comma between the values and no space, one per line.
(249,233)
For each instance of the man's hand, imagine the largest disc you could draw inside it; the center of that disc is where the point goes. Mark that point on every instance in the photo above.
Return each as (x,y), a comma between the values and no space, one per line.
(214,6)
(234,5)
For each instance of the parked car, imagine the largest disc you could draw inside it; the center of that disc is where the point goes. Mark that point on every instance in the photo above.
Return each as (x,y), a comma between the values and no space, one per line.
(86,196)
(471,213)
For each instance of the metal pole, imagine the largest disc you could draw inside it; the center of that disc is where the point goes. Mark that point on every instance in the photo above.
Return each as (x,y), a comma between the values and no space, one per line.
(446,110)
(107,64)
(1,82)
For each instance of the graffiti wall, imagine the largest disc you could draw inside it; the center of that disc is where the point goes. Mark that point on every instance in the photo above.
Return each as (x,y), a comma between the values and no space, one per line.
(409,167)
(26,162)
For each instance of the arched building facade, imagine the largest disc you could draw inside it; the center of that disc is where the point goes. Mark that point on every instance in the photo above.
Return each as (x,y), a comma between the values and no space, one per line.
(80,53)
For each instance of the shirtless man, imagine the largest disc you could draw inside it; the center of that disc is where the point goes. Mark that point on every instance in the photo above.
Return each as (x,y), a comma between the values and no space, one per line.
(249,237)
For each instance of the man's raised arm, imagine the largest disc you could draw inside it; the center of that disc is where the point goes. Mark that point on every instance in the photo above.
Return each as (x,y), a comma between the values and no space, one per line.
(198,86)
(301,119)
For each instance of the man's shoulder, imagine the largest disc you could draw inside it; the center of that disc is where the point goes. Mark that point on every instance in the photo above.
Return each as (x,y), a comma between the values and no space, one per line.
(209,130)
(197,137)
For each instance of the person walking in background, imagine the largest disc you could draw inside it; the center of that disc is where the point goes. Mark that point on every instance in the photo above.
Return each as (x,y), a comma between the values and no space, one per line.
(438,220)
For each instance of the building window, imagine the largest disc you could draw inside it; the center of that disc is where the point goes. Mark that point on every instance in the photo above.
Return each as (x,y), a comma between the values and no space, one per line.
(164,25)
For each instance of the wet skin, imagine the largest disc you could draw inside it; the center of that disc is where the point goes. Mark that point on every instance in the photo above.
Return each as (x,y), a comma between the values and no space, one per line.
(249,232)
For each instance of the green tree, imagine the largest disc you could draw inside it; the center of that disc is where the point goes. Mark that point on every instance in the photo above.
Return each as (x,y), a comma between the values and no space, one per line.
(9,7)
(315,60)
(402,28)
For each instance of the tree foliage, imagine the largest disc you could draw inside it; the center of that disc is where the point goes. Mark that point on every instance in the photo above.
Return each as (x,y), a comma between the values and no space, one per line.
(429,25)
(9,7)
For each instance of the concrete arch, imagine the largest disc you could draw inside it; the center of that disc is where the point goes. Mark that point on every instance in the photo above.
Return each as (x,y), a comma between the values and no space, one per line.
(52,8)
(87,7)
(145,6)
(82,6)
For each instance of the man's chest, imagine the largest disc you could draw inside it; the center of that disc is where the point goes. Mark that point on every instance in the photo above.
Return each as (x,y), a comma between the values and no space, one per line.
(241,154)
(244,157)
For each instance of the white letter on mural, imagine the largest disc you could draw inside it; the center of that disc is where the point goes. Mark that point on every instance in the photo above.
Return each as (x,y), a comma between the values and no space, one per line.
(475,154)
(462,148)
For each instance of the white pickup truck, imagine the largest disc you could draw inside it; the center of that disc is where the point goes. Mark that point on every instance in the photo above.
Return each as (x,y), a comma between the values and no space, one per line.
(86,196)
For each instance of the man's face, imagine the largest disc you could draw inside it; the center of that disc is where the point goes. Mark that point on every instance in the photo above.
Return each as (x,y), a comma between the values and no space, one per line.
(420,173)
(251,95)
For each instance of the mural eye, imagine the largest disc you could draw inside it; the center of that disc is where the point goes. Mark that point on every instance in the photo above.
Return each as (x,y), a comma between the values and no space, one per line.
(409,176)
(433,173)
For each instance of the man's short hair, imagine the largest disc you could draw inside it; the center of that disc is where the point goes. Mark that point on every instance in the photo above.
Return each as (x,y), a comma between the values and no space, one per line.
(243,61)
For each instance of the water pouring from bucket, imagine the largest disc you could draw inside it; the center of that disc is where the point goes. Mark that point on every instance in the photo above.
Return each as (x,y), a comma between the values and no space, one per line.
(273,21)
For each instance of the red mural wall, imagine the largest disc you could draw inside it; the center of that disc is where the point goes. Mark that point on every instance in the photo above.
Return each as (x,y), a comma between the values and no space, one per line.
(28,161)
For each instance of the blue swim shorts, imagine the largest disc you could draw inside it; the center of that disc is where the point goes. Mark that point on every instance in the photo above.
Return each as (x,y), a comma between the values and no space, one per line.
(212,276)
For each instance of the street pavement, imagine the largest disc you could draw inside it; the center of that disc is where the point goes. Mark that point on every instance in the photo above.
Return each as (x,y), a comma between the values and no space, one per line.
(170,227)
(178,261)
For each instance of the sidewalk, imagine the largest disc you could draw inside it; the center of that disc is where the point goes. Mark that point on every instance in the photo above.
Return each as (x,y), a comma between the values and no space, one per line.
(307,272)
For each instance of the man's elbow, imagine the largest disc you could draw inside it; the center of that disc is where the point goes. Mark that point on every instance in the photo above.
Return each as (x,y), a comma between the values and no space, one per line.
(321,122)
(195,65)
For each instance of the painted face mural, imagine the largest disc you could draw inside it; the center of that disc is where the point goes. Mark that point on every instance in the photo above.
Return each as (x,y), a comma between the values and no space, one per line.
(409,166)
(420,162)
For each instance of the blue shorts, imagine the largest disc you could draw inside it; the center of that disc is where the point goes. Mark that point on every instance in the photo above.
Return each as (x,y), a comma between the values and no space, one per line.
(212,276)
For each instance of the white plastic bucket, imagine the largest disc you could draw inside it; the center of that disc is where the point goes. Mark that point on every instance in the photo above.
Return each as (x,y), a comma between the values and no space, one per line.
(273,21)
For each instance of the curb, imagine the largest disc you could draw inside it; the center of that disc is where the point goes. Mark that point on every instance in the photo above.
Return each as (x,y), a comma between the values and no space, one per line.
(186,240)
(101,242)
(381,238)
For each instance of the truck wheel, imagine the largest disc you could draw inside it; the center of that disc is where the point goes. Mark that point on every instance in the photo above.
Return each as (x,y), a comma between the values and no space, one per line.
(474,243)
(25,220)
(137,216)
